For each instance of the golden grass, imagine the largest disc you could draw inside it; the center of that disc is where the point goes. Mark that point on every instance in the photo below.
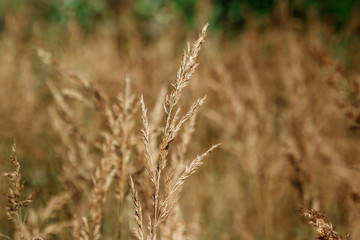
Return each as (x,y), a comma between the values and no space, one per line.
(323,229)
(96,121)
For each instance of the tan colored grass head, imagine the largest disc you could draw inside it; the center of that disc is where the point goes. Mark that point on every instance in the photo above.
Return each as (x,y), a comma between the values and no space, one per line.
(166,190)
(323,229)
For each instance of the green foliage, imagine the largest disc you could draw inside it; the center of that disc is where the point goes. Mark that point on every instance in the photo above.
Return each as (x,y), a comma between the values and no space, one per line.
(230,15)
(225,15)
(187,9)
(148,9)
(57,12)
(334,11)
(85,11)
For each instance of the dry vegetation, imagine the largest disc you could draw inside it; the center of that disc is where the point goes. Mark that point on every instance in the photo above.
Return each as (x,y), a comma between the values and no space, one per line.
(103,166)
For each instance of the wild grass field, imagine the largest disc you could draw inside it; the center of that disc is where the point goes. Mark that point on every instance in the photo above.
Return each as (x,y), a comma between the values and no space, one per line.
(126,131)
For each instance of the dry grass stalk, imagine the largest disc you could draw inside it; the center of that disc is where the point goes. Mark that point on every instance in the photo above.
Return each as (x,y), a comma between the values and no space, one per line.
(145,137)
(122,126)
(189,128)
(191,169)
(116,150)
(155,119)
(103,178)
(139,233)
(164,199)
(84,230)
(323,229)
(78,163)
(36,225)
(172,127)
(265,92)
(15,203)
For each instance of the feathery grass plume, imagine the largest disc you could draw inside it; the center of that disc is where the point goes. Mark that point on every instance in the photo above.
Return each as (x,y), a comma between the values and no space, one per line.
(172,127)
(155,118)
(102,180)
(145,136)
(191,169)
(139,232)
(15,203)
(84,229)
(36,225)
(164,199)
(117,149)
(323,229)
(189,128)
(121,120)
(184,74)
(77,162)
(89,94)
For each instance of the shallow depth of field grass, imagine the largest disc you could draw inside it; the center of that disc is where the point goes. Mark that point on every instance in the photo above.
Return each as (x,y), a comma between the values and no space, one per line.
(117,128)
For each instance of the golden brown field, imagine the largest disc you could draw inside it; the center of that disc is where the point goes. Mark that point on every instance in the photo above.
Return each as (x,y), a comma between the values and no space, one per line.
(114,135)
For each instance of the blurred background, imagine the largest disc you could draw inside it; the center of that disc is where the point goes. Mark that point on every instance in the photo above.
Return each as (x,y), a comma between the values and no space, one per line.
(282,79)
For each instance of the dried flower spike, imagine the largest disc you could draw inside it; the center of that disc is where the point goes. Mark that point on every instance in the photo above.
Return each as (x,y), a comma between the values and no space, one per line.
(14,202)
(14,198)
(323,230)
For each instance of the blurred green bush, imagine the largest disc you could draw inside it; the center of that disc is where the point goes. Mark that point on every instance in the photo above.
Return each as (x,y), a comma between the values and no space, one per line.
(225,15)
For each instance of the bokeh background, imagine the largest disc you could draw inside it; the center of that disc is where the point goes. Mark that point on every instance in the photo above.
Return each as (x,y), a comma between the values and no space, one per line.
(283,97)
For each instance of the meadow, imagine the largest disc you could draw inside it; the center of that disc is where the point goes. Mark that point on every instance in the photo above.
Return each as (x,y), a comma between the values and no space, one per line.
(129,132)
